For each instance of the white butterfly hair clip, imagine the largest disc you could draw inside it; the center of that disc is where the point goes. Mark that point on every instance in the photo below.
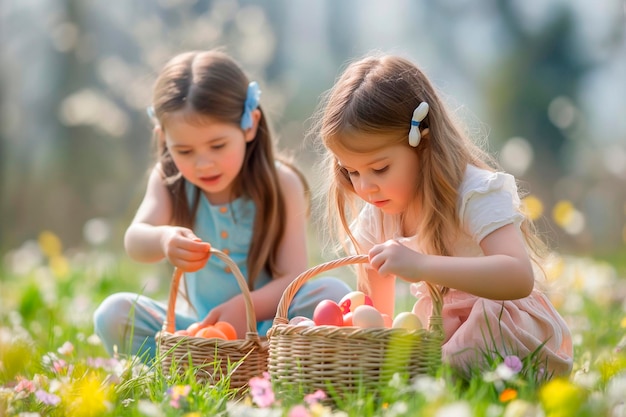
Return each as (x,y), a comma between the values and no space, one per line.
(419,114)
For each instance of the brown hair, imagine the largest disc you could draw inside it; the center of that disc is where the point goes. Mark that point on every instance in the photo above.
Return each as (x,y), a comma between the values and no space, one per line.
(211,84)
(377,95)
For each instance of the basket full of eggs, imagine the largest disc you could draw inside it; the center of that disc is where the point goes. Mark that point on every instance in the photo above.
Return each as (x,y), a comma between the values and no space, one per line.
(214,352)
(350,346)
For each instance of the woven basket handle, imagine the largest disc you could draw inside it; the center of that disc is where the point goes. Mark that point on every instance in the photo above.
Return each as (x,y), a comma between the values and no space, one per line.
(170,320)
(435,324)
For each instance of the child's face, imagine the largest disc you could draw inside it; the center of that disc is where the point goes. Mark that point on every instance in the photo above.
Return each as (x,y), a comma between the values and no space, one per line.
(385,178)
(208,154)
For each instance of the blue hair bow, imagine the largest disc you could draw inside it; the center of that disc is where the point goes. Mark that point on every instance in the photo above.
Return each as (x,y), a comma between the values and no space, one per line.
(252,102)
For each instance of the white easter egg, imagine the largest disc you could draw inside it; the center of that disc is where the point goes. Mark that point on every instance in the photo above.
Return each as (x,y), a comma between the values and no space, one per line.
(406,320)
(305,323)
(366,317)
(297,319)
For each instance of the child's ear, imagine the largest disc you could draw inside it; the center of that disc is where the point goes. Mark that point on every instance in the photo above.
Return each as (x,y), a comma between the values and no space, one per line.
(159,134)
(250,133)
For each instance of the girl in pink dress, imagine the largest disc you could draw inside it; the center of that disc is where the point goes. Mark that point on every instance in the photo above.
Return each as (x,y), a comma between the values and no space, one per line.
(408,188)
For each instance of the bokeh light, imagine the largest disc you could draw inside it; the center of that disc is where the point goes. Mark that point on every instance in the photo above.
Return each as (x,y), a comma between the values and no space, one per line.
(562,112)
(50,244)
(568,217)
(97,231)
(516,156)
(532,207)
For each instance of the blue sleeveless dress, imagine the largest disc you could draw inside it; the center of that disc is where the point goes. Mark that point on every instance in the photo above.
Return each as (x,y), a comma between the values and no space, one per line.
(227,227)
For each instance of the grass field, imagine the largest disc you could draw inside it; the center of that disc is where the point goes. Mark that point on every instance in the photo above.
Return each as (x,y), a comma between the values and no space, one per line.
(51,363)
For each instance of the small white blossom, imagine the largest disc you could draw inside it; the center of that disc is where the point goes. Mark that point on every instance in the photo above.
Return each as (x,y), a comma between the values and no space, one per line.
(94,340)
(149,409)
(397,409)
(455,409)
(429,387)
(616,389)
(67,349)
(586,379)
(235,410)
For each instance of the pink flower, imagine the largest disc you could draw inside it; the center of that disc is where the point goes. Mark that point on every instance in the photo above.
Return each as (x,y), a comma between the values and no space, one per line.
(59,366)
(261,390)
(514,363)
(67,349)
(26,386)
(299,411)
(315,397)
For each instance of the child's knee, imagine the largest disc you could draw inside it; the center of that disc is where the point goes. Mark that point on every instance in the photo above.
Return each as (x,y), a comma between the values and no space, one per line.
(314,291)
(116,304)
(112,313)
(333,288)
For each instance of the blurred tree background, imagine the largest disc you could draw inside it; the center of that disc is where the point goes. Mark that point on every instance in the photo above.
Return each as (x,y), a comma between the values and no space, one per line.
(543,81)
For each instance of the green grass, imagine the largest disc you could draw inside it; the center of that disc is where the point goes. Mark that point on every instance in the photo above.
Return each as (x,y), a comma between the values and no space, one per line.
(52,365)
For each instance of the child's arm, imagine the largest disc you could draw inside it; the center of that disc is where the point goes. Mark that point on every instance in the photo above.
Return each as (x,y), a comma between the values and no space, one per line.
(150,237)
(380,288)
(504,273)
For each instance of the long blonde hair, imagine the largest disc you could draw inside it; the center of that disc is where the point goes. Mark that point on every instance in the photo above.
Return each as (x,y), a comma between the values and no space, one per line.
(377,95)
(211,84)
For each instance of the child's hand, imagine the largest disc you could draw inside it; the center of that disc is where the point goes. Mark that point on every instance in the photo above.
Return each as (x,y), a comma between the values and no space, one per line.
(393,258)
(232,311)
(184,249)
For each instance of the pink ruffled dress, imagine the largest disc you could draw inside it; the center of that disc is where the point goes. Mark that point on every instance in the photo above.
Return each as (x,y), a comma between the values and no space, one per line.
(473,325)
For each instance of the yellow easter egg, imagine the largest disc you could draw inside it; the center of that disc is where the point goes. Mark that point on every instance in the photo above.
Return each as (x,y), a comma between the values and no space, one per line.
(406,320)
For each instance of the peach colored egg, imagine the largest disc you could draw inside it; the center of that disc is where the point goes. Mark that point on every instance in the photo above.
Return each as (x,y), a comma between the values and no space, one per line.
(407,320)
(366,317)
(387,320)
(328,312)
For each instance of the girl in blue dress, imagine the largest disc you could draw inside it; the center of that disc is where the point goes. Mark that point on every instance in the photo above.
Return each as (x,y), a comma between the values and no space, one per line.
(217,183)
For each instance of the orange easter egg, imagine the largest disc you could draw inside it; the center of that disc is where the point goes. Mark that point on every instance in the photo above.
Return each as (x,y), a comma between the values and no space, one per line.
(210,333)
(193,328)
(226,328)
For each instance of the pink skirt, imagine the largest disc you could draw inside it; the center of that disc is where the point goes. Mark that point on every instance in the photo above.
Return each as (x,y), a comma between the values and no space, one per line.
(474,325)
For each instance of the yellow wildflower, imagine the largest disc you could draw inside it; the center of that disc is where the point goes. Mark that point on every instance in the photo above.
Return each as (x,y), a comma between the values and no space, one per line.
(561,398)
(86,397)
(612,366)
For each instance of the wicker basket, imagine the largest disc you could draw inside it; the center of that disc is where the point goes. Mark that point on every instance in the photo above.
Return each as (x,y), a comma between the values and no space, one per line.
(214,358)
(344,360)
